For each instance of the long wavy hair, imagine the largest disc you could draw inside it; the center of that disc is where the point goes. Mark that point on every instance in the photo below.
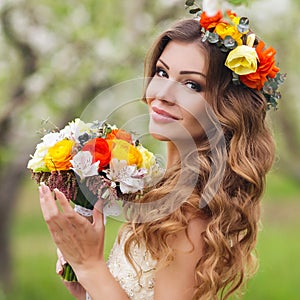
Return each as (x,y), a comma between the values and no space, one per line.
(233,212)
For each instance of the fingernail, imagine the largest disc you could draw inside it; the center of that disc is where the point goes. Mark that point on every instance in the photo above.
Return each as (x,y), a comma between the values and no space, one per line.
(63,261)
(59,270)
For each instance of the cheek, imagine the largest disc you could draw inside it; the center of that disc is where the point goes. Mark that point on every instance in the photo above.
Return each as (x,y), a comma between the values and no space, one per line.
(150,92)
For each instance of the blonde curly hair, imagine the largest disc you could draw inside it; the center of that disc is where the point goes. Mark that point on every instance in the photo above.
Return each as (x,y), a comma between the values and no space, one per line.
(233,213)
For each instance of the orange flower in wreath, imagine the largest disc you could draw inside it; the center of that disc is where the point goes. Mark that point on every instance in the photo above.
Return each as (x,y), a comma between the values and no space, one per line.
(266,68)
(210,22)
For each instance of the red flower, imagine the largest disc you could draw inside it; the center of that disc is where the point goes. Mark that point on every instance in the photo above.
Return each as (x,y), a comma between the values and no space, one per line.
(266,68)
(210,22)
(100,151)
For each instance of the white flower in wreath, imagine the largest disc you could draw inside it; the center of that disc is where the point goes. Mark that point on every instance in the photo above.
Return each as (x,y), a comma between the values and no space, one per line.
(83,165)
(129,177)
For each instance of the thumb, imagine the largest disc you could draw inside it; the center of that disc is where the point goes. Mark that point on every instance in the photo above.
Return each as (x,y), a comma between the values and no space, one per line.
(98,217)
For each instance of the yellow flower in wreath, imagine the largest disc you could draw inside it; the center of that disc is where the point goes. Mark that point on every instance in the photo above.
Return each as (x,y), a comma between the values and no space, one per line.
(242,60)
(223,30)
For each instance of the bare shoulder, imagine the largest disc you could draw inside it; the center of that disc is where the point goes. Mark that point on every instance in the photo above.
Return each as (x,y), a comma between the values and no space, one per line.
(177,280)
(189,245)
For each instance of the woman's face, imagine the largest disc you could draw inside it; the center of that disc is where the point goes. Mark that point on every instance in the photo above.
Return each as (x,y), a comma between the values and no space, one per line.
(175,95)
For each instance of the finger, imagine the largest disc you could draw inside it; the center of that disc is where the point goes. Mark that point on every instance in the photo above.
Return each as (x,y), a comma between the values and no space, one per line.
(61,257)
(47,202)
(59,267)
(98,219)
(63,201)
(74,218)
(51,213)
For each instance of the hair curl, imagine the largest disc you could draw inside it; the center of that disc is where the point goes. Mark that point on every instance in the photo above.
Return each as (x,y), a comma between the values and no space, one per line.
(234,211)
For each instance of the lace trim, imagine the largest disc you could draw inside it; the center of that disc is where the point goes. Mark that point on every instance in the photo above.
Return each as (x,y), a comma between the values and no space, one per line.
(83,211)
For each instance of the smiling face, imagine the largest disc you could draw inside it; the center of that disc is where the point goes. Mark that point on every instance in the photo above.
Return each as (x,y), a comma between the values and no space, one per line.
(175,95)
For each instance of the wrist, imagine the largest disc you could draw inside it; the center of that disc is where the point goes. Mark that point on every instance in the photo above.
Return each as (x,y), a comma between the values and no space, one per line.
(99,282)
(87,272)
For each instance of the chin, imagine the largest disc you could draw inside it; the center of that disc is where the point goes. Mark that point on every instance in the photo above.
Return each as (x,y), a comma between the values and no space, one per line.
(158,132)
(159,137)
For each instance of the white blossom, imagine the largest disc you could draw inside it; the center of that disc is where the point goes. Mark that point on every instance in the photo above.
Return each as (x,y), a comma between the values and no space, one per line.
(83,165)
(129,177)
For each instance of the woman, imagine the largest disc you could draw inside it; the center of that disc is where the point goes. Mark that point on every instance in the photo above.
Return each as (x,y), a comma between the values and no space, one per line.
(198,242)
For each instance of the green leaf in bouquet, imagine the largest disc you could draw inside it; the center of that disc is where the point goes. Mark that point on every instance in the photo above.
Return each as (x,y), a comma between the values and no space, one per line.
(195,10)
(68,273)
(189,2)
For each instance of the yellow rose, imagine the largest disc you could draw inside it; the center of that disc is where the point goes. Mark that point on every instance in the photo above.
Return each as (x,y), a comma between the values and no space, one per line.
(242,60)
(58,156)
(123,150)
(148,157)
(223,29)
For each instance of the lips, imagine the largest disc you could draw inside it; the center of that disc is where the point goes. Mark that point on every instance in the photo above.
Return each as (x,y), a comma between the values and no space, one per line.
(164,114)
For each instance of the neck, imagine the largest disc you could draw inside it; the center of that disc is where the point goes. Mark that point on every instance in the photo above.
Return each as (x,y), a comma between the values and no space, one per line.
(176,152)
(173,155)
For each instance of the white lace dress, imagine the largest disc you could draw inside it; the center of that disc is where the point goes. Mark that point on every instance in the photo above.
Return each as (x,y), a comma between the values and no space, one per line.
(137,287)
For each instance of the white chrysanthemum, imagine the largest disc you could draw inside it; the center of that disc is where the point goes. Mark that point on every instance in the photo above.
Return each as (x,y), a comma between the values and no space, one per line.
(83,165)
(36,163)
(154,175)
(51,139)
(75,128)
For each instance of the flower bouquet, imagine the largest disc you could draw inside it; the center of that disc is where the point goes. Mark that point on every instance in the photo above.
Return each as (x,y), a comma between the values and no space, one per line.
(94,161)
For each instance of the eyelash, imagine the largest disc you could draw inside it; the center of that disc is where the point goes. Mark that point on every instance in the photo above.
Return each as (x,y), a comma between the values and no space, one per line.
(192,84)
(158,70)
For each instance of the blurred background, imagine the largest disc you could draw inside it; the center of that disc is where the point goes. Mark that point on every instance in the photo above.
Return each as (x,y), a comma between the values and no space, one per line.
(56,56)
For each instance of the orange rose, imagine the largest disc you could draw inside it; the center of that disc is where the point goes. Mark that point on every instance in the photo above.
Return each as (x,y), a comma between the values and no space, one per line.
(119,134)
(266,59)
(58,156)
(266,68)
(210,22)
(100,151)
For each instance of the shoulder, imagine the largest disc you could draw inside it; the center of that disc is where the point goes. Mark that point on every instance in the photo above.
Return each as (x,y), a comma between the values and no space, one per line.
(178,278)
(189,244)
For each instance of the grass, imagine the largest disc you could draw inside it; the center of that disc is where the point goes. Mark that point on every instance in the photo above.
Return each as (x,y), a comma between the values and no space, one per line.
(281,187)
(279,253)
(34,254)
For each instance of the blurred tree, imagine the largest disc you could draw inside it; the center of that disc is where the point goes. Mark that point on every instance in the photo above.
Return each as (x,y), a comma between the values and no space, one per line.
(55,57)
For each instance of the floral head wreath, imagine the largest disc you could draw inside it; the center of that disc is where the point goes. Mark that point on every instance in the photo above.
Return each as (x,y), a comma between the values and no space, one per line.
(251,63)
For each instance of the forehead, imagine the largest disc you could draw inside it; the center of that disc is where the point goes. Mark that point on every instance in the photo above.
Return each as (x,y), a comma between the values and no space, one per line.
(185,56)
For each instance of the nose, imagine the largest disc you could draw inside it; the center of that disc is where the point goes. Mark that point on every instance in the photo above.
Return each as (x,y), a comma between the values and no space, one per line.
(162,89)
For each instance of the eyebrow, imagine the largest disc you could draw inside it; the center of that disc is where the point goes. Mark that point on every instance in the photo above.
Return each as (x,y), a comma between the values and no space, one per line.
(182,72)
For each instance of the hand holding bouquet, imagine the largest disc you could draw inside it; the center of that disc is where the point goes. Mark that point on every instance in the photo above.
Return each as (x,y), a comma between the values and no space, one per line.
(92,162)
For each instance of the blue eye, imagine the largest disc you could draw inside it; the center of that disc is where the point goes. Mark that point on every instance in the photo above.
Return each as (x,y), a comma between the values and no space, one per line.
(161,72)
(194,86)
